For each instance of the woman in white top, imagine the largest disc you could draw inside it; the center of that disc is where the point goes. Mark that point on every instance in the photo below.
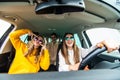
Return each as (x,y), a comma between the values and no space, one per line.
(70,55)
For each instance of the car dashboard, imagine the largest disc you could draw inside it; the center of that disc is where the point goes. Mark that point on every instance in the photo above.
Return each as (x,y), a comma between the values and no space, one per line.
(102,74)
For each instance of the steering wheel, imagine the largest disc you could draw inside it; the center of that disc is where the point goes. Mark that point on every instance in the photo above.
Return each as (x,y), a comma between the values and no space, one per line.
(91,56)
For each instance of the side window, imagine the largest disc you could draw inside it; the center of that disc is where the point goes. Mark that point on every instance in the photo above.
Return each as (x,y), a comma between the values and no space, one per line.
(5,29)
(4,26)
(95,35)
(24,38)
(77,39)
(49,40)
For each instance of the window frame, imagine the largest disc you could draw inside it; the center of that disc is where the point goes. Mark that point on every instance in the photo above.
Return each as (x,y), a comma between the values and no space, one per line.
(5,35)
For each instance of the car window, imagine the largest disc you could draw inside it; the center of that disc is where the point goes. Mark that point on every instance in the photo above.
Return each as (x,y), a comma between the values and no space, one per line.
(4,26)
(5,29)
(49,40)
(24,38)
(95,35)
(98,34)
(77,39)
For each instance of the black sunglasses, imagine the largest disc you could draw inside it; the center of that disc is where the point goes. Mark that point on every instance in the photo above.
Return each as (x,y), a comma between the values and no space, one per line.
(37,39)
(69,38)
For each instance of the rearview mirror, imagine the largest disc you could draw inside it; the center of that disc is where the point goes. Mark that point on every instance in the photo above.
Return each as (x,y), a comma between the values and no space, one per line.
(60,6)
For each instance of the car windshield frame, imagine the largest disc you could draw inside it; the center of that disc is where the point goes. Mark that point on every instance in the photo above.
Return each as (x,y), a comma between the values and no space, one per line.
(113,3)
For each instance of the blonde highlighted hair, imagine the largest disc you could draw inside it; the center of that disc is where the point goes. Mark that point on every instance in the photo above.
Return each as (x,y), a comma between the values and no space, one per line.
(30,46)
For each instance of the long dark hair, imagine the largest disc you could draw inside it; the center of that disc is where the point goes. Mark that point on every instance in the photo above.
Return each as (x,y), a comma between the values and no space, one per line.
(64,50)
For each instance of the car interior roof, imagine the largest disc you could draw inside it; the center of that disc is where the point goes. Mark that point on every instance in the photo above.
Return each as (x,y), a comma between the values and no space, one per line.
(47,23)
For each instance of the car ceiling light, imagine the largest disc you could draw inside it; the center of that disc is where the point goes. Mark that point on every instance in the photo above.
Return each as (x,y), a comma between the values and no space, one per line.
(54,16)
(51,29)
(59,6)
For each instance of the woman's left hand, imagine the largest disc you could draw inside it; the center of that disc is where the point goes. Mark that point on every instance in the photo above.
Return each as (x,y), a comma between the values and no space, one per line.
(109,44)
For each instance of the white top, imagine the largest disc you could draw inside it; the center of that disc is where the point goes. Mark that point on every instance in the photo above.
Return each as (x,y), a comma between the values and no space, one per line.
(65,67)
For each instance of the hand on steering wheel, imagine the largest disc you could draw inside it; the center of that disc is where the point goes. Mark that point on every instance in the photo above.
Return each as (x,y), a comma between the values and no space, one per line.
(101,47)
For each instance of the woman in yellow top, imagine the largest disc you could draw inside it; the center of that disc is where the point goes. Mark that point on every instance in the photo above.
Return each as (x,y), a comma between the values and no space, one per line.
(29,58)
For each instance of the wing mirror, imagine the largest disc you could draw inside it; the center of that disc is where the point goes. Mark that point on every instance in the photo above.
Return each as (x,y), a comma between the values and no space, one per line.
(59,6)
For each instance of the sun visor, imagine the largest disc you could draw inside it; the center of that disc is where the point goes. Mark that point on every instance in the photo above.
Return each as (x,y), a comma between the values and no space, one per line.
(60,6)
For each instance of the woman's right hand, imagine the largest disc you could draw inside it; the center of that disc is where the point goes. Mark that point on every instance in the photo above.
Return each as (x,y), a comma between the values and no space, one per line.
(111,45)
